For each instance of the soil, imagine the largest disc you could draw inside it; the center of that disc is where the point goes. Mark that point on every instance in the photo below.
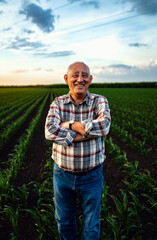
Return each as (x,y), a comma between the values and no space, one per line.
(36,158)
(7,148)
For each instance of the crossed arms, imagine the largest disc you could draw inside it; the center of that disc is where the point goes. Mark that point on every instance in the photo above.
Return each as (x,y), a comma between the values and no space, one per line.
(58,131)
(79,128)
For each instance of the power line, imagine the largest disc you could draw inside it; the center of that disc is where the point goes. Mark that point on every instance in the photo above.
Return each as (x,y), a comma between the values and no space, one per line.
(105,18)
(62,6)
(108,17)
(116,15)
(110,22)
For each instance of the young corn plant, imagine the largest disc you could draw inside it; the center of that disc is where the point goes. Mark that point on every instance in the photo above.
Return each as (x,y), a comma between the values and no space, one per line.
(124,216)
(36,216)
(115,228)
(23,195)
(150,207)
(135,209)
(44,191)
(13,216)
(105,213)
(105,205)
(44,213)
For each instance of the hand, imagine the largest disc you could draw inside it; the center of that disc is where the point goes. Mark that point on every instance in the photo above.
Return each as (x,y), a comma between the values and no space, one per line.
(79,138)
(101,116)
(65,125)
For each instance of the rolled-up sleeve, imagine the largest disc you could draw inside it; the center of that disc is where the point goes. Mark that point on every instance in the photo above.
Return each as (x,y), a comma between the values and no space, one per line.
(53,131)
(99,127)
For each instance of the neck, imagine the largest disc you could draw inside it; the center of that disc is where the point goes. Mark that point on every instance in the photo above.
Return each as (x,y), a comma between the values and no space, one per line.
(78,98)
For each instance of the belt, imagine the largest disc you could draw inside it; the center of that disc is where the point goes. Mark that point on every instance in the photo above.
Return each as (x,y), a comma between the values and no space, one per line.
(85,172)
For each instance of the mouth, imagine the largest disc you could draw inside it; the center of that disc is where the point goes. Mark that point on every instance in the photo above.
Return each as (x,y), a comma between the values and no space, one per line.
(79,85)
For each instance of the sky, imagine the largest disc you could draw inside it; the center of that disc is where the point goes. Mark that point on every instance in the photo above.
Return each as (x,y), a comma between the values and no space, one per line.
(39,39)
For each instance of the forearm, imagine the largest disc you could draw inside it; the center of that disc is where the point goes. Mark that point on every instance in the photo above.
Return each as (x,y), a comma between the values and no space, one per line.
(76,126)
(59,135)
(97,127)
(53,131)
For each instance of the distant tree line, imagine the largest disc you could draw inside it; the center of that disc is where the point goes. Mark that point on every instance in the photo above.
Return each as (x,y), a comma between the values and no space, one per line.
(125,85)
(96,85)
(113,85)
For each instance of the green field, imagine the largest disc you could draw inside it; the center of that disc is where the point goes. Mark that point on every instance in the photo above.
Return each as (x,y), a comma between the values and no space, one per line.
(129,203)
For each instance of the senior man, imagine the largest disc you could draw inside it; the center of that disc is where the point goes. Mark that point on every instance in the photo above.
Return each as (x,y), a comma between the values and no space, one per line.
(76,124)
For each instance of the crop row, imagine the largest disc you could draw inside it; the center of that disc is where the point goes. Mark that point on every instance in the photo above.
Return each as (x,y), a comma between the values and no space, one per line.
(9,98)
(11,197)
(14,106)
(125,219)
(137,106)
(10,116)
(130,141)
(11,129)
(133,118)
(139,131)
(140,124)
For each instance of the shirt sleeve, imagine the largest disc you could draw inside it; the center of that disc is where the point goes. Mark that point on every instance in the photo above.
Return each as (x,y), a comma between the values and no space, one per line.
(99,127)
(53,131)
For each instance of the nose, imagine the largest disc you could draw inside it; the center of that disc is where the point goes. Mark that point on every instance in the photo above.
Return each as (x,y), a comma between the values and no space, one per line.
(80,78)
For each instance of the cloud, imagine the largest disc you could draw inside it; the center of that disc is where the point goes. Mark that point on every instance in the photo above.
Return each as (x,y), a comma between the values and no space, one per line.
(138,45)
(73,1)
(55,54)
(88,3)
(145,6)
(122,66)
(44,19)
(28,31)
(49,70)
(1,12)
(127,73)
(148,7)
(24,43)
(3,1)
(6,29)
(95,3)
(19,71)
(36,69)
(119,69)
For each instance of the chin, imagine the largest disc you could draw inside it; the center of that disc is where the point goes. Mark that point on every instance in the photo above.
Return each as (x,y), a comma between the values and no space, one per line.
(80,92)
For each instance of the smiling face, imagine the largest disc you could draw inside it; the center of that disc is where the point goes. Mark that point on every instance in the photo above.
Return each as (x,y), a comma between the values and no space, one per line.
(78,78)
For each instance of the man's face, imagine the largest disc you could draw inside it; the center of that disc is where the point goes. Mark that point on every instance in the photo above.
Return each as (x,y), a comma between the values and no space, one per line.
(78,79)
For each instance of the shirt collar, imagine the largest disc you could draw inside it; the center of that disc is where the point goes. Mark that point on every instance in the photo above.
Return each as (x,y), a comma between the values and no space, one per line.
(87,99)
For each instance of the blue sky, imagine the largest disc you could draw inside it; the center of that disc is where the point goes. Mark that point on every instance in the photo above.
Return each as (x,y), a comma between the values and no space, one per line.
(40,38)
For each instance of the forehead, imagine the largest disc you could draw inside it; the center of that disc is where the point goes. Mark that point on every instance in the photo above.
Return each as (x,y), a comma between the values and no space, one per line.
(78,67)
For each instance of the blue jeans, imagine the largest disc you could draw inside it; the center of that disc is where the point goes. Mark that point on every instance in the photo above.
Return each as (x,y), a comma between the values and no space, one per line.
(89,188)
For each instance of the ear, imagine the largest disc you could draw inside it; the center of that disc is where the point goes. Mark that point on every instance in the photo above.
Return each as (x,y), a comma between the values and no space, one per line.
(66,78)
(90,79)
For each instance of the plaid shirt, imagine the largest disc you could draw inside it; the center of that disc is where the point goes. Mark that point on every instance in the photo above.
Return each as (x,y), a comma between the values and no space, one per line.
(78,156)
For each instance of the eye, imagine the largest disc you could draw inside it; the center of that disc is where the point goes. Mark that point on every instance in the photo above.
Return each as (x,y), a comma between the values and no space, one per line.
(85,75)
(75,75)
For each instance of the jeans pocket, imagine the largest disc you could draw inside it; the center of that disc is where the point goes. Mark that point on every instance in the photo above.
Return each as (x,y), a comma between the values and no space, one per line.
(57,169)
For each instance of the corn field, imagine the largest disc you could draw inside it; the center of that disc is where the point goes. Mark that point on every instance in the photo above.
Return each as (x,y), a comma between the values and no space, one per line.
(129,202)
